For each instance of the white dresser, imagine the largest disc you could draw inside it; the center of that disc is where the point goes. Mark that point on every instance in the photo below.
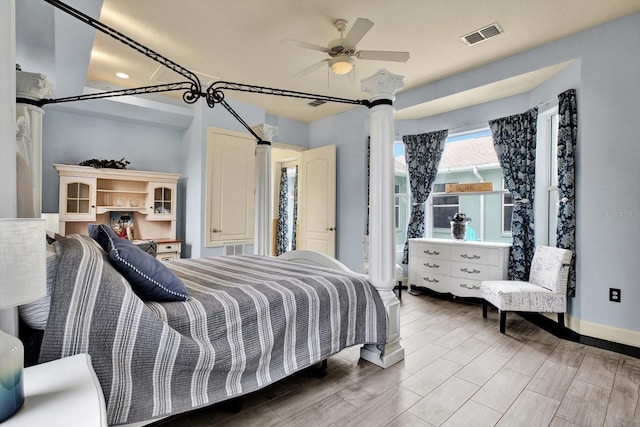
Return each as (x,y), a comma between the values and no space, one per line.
(456,266)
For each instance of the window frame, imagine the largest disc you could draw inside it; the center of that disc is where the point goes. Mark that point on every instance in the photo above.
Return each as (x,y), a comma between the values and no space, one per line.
(546,175)
(504,205)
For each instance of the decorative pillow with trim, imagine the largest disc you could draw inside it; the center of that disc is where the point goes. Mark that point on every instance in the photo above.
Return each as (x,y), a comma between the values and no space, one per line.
(149,278)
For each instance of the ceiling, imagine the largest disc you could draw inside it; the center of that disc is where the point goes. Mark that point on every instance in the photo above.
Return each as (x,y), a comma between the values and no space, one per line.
(240,41)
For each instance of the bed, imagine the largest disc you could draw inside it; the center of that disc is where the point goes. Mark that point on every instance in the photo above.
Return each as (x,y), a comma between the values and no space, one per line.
(249,321)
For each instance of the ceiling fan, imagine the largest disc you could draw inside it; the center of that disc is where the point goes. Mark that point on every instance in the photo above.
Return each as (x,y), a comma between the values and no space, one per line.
(342,51)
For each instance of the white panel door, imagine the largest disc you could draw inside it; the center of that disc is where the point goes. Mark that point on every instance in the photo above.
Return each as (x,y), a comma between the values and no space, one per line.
(230,187)
(317,200)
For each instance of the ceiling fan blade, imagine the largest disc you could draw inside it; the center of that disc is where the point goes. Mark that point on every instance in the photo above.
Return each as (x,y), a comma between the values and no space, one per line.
(310,68)
(305,45)
(357,32)
(383,55)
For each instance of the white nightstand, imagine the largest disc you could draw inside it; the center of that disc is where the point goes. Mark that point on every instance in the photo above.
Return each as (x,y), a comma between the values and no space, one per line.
(64,392)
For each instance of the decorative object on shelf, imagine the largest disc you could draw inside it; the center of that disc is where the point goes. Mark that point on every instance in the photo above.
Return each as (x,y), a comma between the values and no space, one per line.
(111,164)
(23,280)
(122,224)
(459,223)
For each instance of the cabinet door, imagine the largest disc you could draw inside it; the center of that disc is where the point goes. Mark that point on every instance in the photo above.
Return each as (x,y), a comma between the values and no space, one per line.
(230,187)
(161,201)
(77,199)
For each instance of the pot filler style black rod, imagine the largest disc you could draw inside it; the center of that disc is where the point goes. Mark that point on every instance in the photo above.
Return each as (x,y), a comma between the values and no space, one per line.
(193,88)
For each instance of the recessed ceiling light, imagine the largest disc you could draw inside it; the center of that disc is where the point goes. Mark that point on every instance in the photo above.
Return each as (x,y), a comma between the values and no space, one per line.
(122,75)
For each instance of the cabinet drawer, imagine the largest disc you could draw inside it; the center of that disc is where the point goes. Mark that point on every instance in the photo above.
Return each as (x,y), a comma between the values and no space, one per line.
(490,256)
(429,265)
(167,256)
(168,247)
(465,287)
(427,250)
(433,281)
(469,270)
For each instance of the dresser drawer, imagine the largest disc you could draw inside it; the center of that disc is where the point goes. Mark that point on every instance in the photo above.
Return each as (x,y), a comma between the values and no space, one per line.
(475,255)
(465,287)
(429,265)
(427,250)
(473,271)
(434,282)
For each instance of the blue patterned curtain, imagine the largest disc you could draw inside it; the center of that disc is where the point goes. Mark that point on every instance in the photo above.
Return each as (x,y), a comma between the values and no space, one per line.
(567,140)
(294,223)
(514,139)
(281,232)
(422,153)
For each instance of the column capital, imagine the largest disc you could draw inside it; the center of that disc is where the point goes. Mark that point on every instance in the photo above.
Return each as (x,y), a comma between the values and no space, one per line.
(265,131)
(383,84)
(32,85)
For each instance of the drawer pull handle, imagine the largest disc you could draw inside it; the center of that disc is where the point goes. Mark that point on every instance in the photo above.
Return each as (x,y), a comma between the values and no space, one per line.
(167,247)
(466,270)
(472,287)
(470,256)
(430,280)
(428,252)
(215,230)
(428,264)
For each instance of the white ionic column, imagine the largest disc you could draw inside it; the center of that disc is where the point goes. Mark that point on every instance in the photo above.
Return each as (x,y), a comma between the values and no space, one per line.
(262,220)
(382,253)
(30,88)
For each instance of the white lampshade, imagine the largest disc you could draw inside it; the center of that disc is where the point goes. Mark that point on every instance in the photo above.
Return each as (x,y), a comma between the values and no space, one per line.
(23,267)
(22,261)
(341,64)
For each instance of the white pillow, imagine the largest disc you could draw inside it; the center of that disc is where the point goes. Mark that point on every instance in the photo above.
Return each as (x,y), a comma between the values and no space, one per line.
(35,314)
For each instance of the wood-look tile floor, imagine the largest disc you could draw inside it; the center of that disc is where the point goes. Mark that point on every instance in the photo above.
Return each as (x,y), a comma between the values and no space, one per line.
(458,371)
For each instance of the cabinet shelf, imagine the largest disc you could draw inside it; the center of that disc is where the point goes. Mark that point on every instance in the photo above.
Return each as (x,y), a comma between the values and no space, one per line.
(143,193)
(88,195)
(105,209)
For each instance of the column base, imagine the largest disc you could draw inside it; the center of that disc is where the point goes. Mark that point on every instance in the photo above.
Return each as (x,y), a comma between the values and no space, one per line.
(386,355)
(383,356)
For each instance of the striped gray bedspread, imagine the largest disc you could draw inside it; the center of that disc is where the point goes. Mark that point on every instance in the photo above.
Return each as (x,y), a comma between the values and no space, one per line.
(249,321)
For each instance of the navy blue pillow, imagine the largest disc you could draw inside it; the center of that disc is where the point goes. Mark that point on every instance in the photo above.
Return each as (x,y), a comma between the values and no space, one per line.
(148,277)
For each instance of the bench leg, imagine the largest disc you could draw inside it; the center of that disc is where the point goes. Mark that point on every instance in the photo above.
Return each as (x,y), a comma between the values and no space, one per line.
(503,321)
(485,305)
(561,320)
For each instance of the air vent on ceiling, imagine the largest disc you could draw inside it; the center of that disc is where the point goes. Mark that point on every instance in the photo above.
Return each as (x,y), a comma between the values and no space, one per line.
(482,34)
(316,103)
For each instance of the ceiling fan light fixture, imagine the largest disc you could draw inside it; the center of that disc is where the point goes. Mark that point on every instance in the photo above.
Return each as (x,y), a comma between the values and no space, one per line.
(341,64)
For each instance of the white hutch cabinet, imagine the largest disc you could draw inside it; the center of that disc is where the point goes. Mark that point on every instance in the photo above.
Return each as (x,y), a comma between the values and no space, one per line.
(456,266)
(90,195)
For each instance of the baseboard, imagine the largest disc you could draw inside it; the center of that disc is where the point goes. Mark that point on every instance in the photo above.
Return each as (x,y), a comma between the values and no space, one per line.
(588,333)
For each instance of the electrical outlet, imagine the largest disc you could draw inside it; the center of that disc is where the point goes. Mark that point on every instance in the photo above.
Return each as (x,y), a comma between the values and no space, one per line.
(614,294)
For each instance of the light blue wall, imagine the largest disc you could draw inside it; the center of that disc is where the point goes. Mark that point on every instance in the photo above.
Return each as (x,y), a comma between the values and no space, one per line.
(71,138)
(605,76)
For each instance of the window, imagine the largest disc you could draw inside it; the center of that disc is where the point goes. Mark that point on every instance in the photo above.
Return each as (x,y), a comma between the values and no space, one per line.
(291,203)
(552,199)
(444,207)
(507,209)
(400,185)
(470,158)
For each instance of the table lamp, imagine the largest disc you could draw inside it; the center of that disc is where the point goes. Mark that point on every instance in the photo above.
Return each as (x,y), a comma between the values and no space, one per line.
(22,280)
